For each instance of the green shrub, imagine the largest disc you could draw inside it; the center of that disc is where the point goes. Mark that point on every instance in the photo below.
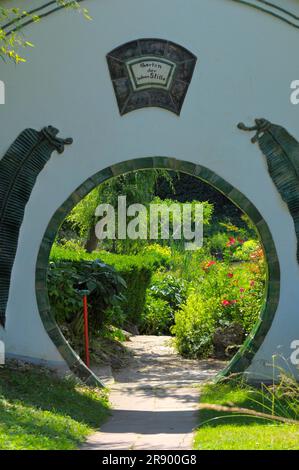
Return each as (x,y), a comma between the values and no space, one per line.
(165,295)
(105,288)
(194,326)
(70,251)
(158,250)
(157,316)
(248,248)
(186,265)
(217,243)
(170,289)
(138,280)
(65,299)
(68,281)
(115,316)
(136,270)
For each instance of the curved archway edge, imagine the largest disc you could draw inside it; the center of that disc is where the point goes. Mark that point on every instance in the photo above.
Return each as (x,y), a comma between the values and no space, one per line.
(242,360)
(279,12)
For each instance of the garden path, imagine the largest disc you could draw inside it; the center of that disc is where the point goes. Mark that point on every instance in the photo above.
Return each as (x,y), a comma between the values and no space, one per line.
(154,399)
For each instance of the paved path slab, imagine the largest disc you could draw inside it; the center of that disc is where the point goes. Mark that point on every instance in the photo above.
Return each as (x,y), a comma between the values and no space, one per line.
(154,399)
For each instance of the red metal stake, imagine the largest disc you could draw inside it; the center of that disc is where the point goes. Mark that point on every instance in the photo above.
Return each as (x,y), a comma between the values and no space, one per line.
(86,336)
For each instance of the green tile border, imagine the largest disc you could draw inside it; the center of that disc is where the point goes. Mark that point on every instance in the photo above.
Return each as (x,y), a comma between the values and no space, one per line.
(244,356)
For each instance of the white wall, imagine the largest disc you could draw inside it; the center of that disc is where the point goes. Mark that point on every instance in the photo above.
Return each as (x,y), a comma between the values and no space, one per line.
(244,71)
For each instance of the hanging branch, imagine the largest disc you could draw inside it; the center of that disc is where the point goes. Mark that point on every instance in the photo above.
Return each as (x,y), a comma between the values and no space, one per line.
(11,37)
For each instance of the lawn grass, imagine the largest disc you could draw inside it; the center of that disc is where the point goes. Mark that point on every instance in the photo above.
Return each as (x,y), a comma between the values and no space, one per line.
(235,432)
(39,411)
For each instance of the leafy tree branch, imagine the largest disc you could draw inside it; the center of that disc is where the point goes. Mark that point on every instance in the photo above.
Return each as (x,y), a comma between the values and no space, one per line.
(13,20)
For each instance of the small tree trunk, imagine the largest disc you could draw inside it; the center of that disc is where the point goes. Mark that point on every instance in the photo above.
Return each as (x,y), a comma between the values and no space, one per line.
(92,241)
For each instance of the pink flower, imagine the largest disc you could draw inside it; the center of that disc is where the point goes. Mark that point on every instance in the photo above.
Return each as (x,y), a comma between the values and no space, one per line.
(225,303)
(230,275)
(252,283)
(242,289)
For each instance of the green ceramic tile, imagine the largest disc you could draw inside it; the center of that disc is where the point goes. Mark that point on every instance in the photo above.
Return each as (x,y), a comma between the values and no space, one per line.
(186,167)
(164,162)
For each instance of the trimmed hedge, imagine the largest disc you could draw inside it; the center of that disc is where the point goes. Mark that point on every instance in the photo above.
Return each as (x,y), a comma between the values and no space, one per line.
(136,270)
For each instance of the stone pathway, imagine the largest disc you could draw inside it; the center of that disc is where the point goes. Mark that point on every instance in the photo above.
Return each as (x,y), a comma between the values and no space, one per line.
(154,399)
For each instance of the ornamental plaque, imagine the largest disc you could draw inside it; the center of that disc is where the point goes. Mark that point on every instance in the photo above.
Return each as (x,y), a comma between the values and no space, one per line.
(150,72)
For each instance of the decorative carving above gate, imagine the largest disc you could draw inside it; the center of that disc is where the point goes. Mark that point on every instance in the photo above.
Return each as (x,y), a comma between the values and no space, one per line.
(150,72)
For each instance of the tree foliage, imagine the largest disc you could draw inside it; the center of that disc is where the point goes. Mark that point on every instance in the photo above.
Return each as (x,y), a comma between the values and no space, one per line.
(13,20)
(138,187)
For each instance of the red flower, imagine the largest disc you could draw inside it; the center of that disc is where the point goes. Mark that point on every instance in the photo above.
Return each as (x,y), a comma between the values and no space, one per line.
(242,289)
(230,275)
(208,265)
(252,283)
(211,263)
(227,303)
(231,242)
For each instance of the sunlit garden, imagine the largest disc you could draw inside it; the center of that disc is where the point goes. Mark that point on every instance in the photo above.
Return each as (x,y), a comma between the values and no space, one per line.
(205,302)
(149,229)
(207,299)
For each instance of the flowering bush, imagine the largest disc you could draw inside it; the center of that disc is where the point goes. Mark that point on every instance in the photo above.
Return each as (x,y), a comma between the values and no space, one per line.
(225,293)
(233,247)
(207,265)
(248,249)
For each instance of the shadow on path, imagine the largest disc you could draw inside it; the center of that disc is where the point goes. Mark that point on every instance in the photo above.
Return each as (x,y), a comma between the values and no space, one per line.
(154,399)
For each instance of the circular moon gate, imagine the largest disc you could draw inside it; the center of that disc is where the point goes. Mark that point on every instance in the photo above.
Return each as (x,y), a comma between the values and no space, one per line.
(242,360)
(232,81)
